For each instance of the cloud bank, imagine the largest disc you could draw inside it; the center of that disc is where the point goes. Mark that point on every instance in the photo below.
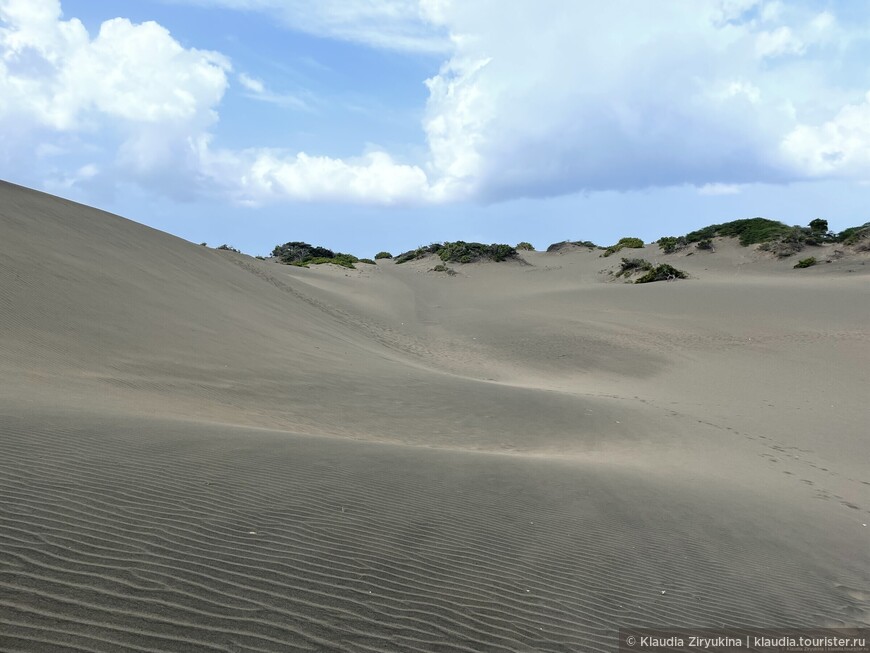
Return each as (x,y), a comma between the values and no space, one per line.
(527,103)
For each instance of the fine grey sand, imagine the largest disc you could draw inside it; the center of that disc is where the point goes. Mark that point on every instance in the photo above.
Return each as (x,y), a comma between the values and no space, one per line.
(204,451)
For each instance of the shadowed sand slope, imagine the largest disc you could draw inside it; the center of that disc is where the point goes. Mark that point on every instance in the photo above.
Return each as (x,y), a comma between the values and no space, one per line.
(202,451)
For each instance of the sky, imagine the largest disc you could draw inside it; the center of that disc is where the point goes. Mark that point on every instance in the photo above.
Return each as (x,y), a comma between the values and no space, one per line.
(365,125)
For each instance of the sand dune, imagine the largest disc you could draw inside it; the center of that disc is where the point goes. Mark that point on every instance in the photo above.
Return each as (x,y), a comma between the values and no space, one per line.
(204,451)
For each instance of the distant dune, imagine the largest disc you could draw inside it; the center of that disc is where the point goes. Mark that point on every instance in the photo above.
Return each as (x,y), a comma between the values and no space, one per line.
(200,450)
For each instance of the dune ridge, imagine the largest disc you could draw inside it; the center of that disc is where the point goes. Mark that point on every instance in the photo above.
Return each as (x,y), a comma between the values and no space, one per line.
(204,451)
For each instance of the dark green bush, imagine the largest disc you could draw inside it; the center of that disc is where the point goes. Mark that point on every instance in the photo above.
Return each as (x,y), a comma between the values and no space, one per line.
(853,235)
(555,247)
(671,244)
(628,241)
(819,225)
(525,246)
(420,252)
(440,268)
(704,244)
(806,262)
(227,248)
(411,255)
(297,251)
(381,255)
(366,260)
(750,231)
(663,272)
(631,265)
(462,252)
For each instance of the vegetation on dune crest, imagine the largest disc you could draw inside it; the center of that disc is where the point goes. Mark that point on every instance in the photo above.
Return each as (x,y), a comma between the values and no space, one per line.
(461,252)
(303,254)
(524,246)
(859,236)
(227,248)
(367,260)
(671,244)
(771,235)
(555,247)
(663,272)
(750,231)
(628,241)
(381,255)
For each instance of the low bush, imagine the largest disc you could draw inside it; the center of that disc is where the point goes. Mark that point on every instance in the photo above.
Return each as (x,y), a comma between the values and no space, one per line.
(381,255)
(297,251)
(462,252)
(806,262)
(628,241)
(750,231)
(420,252)
(631,265)
(524,246)
(671,244)
(854,235)
(704,244)
(227,248)
(565,244)
(663,272)
(366,260)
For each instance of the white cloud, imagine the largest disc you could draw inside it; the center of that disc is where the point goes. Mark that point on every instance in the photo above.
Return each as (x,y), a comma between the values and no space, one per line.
(389,24)
(778,42)
(133,84)
(839,147)
(252,84)
(262,175)
(257,91)
(719,189)
(615,96)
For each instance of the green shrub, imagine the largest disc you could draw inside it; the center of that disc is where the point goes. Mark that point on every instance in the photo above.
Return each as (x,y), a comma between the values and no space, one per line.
(819,226)
(524,246)
(663,272)
(367,260)
(853,235)
(298,251)
(462,252)
(381,255)
(227,248)
(420,252)
(631,265)
(411,255)
(555,247)
(440,268)
(705,244)
(671,244)
(260,258)
(806,262)
(628,241)
(750,231)
(204,244)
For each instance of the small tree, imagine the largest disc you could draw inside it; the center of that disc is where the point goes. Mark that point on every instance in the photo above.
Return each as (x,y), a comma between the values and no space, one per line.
(819,226)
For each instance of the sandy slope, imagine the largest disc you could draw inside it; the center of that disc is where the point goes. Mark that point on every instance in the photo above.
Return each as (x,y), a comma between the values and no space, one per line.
(202,451)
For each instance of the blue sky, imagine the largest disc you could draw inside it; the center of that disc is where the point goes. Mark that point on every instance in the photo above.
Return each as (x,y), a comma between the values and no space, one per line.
(366,125)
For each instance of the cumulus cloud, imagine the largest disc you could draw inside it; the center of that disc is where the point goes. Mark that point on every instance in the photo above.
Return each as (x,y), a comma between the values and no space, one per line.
(839,147)
(57,84)
(527,103)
